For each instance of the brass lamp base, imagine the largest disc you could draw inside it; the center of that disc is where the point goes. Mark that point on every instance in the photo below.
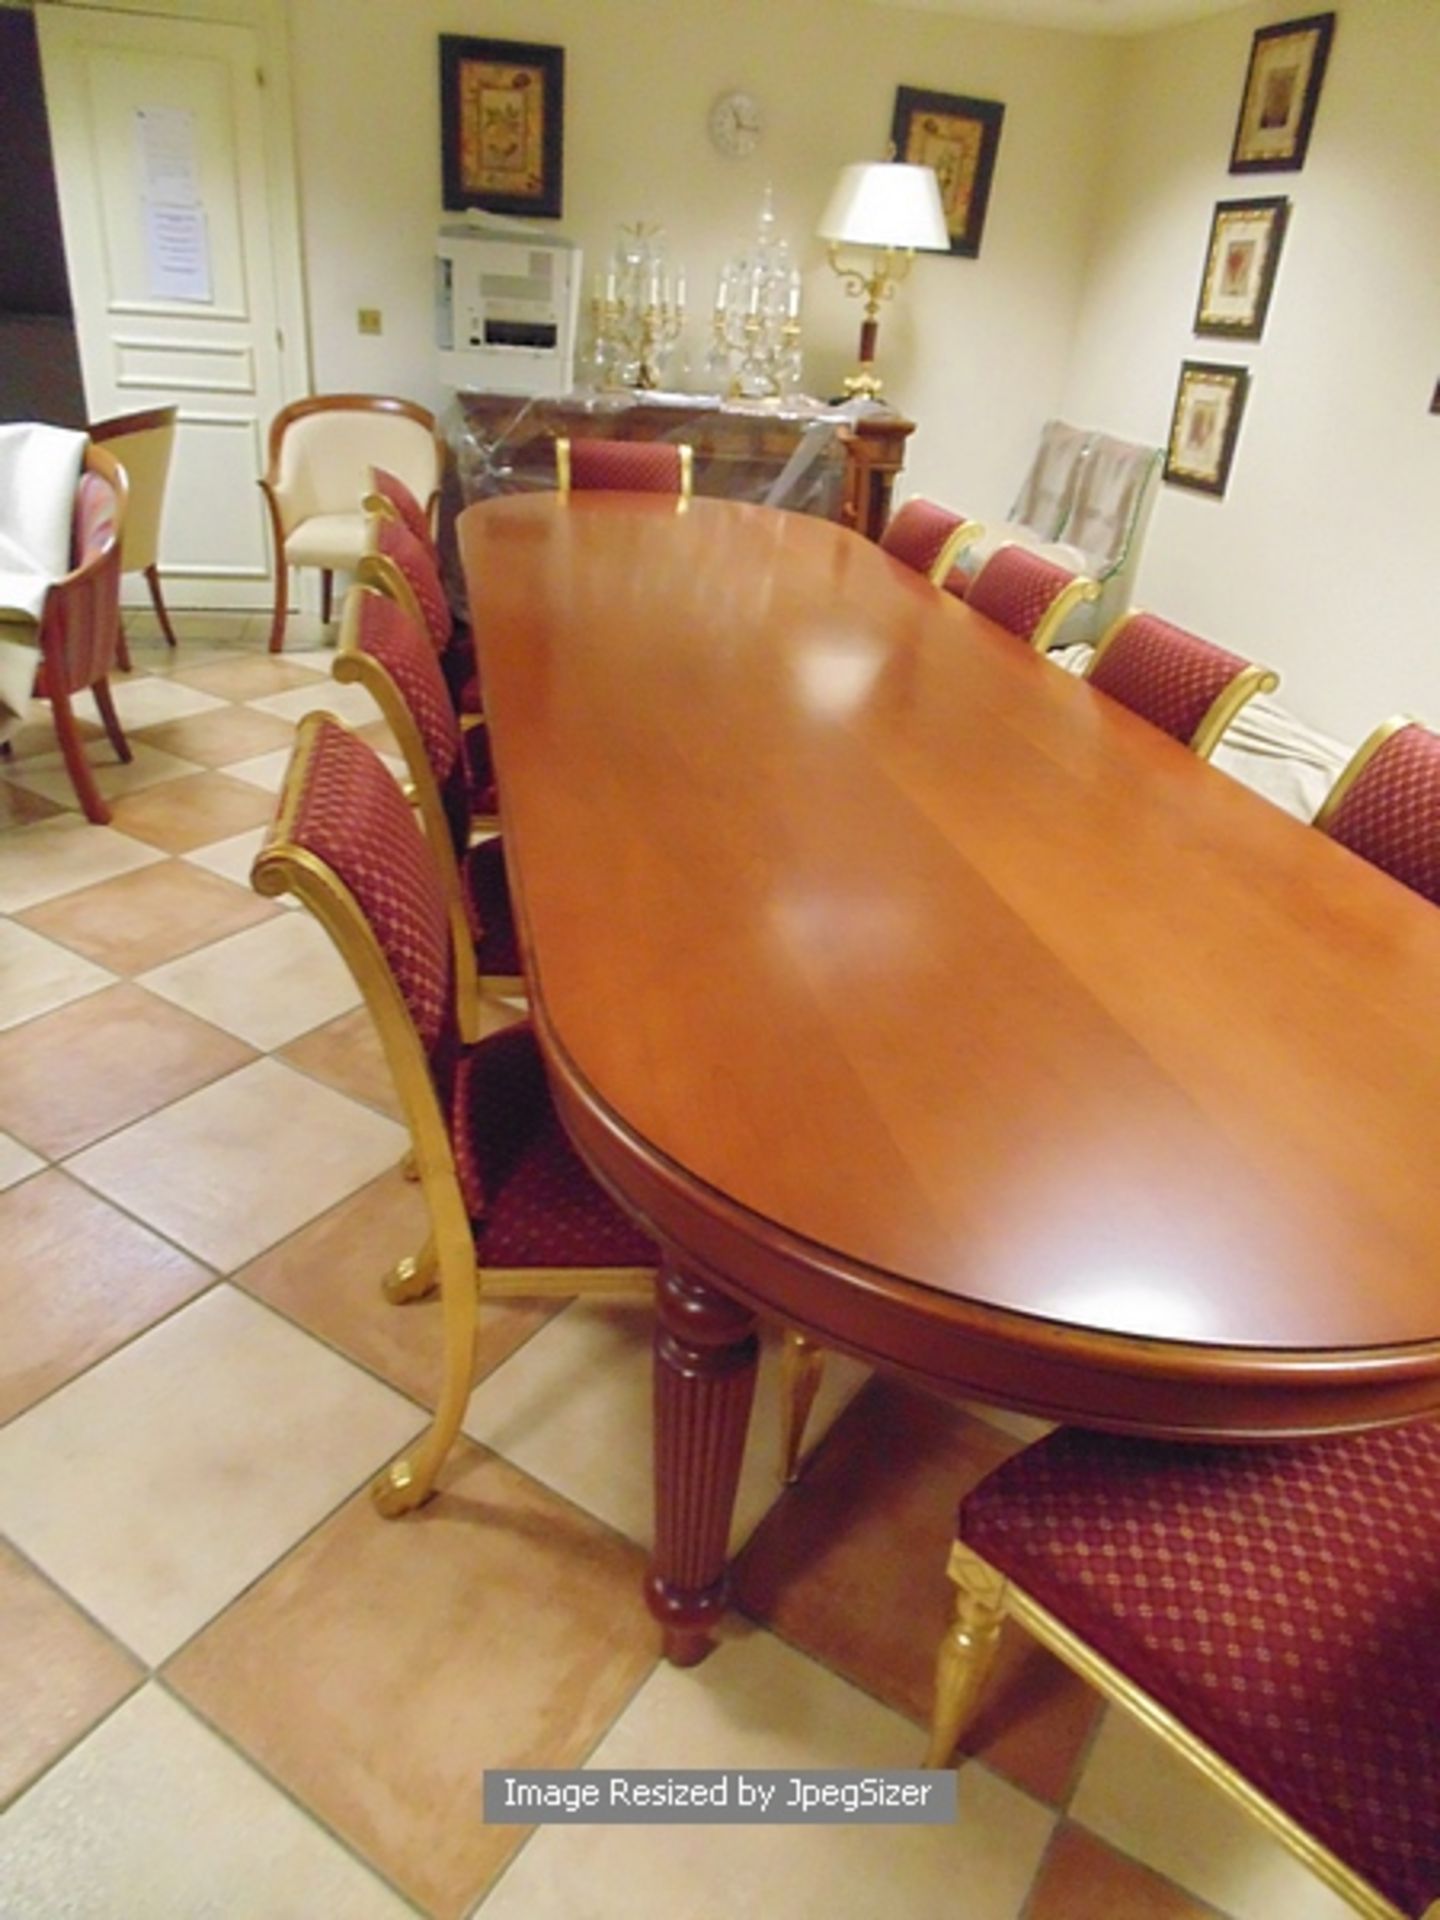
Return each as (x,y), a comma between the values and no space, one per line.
(863,384)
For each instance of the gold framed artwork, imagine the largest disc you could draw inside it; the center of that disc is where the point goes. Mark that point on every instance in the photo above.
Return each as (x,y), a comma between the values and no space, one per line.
(1282,91)
(959,138)
(502,107)
(1205,425)
(1240,264)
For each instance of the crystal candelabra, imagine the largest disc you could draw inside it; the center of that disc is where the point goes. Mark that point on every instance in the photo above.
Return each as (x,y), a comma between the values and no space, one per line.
(636,311)
(755,331)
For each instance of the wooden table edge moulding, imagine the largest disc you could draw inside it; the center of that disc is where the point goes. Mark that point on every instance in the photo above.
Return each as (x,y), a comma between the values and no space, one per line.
(912,993)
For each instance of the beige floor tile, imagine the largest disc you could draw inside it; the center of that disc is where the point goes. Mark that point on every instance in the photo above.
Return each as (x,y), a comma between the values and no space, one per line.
(754,1704)
(267,984)
(155,1816)
(59,1674)
(385,1664)
(148,767)
(37,975)
(145,918)
(147,699)
(243,676)
(1140,1797)
(193,812)
(215,739)
(574,1408)
(327,1277)
(351,704)
(232,1169)
(232,857)
(17,1162)
(264,770)
(196,630)
(79,1280)
(1082,1879)
(124,1053)
(62,855)
(162,1482)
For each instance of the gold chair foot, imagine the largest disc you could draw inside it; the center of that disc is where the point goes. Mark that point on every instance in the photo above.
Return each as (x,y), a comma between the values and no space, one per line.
(410,1166)
(802,1363)
(966,1652)
(398,1491)
(412,1278)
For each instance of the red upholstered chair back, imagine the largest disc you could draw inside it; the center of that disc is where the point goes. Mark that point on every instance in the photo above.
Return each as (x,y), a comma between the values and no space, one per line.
(80,629)
(924,536)
(396,543)
(401,505)
(1185,686)
(1021,591)
(623,466)
(342,808)
(1386,805)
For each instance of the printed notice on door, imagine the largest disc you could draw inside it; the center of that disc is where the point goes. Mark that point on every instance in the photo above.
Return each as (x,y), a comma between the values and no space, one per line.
(177,245)
(178,250)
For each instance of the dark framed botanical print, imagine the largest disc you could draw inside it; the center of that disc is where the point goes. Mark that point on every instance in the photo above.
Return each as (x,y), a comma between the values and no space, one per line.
(502,108)
(1282,92)
(1240,263)
(959,138)
(1205,425)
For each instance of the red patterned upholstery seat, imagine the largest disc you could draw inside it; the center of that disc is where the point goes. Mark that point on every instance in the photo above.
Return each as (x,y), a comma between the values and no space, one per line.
(1386,805)
(927,537)
(80,631)
(1028,595)
(1282,1603)
(623,466)
(1185,686)
(512,1208)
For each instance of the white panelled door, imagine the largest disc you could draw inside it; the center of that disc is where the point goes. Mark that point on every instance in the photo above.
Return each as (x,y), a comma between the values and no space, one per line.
(158,132)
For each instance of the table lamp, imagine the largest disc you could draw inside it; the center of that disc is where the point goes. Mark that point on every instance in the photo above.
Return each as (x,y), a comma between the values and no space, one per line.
(891,208)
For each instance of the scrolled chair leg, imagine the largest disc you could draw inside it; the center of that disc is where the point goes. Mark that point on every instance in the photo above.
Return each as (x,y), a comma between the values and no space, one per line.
(409,1166)
(409,1481)
(413,1278)
(802,1364)
(967,1651)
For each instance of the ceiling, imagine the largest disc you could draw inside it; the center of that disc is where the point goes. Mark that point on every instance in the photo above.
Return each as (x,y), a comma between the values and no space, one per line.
(1083,16)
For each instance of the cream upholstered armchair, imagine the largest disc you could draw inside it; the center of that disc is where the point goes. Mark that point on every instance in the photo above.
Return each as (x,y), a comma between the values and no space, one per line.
(321,454)
(143,444)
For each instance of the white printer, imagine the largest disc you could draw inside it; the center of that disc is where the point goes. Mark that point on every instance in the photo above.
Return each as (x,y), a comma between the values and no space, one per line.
(507,300)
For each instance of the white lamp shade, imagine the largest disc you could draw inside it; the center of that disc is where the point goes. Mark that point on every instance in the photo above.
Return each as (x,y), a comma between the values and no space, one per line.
(886,204)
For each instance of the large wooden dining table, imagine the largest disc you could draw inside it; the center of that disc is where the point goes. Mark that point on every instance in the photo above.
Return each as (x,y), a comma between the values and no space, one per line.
(916,995)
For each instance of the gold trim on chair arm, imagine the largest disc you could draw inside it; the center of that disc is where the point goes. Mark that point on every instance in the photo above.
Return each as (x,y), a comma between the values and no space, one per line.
(1080,592)
(1357,764)
(1106,641)
(379,571)
(687,469)
(956,542)
(1227,703)
(562,463)
(1042,1625)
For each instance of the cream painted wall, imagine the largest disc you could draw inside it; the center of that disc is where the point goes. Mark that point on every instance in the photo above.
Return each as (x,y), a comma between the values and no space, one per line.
(976,350)
(1319,559)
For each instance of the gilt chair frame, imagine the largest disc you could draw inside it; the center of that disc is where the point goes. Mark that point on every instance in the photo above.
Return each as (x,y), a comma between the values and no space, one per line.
(1080,591)
(1357,763)
(563,468)
(448,1257)
(1249,681)
(986,1598)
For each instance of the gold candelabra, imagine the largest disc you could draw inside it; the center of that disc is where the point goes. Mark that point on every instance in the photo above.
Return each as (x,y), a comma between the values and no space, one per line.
(755,329)
(637,311)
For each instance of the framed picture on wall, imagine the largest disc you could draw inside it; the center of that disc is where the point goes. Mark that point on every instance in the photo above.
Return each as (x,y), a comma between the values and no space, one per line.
(1282,91)
(959,138)
(502,107)
(1240,263)
(1205,425)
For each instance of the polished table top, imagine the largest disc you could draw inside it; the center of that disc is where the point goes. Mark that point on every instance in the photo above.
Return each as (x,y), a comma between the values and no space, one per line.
(934,1002)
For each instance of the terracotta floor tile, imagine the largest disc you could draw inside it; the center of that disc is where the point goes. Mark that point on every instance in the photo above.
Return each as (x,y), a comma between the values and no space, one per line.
(246,676)
(385,1664)
(347,1055)
(79,1279)
(19,806)
(327,1277)
(188,813)
(58,1673)
(851,1567)
(351,703)
(17,1163)
(124,1053)
(147,767)
(214,739)
(142,919)
(1082,1879)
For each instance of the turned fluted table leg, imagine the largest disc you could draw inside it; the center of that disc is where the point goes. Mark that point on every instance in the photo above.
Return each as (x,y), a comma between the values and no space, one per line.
(705,1357)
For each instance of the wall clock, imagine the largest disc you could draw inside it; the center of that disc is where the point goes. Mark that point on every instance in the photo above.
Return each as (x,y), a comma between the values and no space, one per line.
(736,122)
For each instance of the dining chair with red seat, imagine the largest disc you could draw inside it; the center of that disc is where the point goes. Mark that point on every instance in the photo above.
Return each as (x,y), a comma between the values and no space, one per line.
(382,649)
(624,466)
(1186,686)
(1028,595)
(1269,1611)
(399,564)
(79,629)
(926,537)
(1385,806)
(511,1208)
(392,499)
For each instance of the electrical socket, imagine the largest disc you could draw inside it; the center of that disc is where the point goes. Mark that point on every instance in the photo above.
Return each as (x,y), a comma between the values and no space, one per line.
(368,320)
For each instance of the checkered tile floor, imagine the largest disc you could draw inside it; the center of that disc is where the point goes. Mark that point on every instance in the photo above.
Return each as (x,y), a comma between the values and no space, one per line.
(226,1685)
